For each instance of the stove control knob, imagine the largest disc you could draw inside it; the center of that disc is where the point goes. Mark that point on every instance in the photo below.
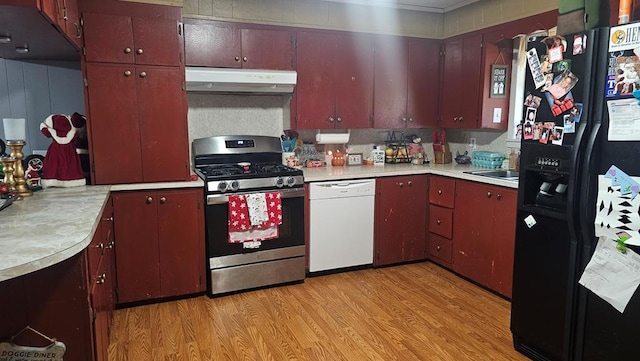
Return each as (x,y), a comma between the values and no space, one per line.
(222,186)
(279,182)
(234,185)
(291,181)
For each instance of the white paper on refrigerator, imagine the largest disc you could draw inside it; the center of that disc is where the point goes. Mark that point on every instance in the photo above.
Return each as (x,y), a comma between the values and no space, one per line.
(624,119)
(616,213)
(612,275)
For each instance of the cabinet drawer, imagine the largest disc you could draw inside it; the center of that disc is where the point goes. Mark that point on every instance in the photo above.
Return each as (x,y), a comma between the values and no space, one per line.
(440,248)
(441,221)
(441,191)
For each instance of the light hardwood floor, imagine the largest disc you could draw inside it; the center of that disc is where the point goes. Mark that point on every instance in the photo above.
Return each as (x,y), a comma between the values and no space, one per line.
(409,312)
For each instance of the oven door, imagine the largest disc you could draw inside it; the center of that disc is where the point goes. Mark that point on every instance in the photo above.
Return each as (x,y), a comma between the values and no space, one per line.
(291,231)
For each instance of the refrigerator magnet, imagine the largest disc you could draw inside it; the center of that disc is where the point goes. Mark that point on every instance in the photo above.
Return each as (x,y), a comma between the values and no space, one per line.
(576,112)
(569,124)
(530,221)
(535,67)
(537,130)
(528,130)
(579,44)
(544,135)
(556,135)
(532,101)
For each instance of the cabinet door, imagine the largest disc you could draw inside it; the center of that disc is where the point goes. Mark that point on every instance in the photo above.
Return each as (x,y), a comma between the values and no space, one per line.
(503,240)
(267,49)
(399,233)
(354,81)
(423,83)
(56,298)
(99,302)
(136,233)
(181,242)
(113,123)
(163,124)
(72,22)
(469,90)
(108,38)
(206,44)
(316,88)
(389,222)
(451,95)
(157,41)
(14,312)
(473,231)
(390,82)
(415,209)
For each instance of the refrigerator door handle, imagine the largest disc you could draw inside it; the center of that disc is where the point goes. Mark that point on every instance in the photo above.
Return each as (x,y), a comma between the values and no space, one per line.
(588,167)
(574,187)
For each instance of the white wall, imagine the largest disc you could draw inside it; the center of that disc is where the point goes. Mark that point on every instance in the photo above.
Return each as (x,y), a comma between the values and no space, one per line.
(34,90)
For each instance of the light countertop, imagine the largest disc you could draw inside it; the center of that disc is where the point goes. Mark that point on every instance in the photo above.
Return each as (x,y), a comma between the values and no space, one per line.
(388,170)
(48,227)
(57,223)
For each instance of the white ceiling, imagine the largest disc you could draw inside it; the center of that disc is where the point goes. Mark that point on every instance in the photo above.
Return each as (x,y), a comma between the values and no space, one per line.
(435,6)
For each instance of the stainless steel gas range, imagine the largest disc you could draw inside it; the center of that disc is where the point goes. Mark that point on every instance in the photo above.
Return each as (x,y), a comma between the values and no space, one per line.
(238,168)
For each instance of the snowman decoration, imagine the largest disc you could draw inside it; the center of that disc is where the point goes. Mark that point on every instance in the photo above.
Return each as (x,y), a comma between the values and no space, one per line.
(62,166)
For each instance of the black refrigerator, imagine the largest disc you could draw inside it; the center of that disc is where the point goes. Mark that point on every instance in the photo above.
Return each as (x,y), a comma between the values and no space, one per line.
(564,148)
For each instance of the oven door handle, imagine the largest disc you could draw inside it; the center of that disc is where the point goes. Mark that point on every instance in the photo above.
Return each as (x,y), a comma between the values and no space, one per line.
(224,198)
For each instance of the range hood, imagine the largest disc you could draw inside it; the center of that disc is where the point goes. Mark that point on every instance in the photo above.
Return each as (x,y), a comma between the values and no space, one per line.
(240,80)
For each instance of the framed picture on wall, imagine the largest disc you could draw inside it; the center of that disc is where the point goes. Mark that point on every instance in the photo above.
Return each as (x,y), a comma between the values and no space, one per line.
(498,85)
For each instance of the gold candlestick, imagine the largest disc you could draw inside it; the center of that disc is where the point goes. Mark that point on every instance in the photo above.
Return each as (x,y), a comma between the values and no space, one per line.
(7,169)
(18,171)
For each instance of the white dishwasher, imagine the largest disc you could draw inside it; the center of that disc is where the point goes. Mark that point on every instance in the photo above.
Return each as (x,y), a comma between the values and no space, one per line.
(341,224)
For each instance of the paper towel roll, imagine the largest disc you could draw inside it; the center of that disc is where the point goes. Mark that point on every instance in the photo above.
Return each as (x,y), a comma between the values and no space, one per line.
(332,138)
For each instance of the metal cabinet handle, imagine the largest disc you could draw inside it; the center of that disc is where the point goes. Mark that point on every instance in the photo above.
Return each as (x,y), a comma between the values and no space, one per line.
(455,119)
(149,199)
(488,194)
(439,222)
(143,74)
(401,185)
(127,50)
(438,248)
(331,120)
(101,279)
(460,119)
(127,73)
(237,58)
(404,119)
(110,219)
(339,120)
(139,51)
(410,183)
(498,196)
(78,30)
(163,200)
(410,120)
(111,244)
(439,192)
(244,58)
(100,245)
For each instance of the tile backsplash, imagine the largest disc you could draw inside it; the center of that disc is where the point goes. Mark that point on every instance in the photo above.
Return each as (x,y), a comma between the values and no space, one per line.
(213,114)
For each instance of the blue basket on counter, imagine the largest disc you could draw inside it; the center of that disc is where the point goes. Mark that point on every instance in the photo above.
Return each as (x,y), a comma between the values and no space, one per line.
(484,159)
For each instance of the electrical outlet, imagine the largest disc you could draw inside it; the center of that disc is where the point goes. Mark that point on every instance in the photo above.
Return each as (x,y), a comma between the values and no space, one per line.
(472,143)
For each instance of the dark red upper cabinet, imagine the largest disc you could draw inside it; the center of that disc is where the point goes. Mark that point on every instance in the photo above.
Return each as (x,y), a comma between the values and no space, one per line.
(406,82)
(267,49)
(390,94)
(335,78)
(315,87)
(226,45)
(131,39)
(461,82)
(423,83)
